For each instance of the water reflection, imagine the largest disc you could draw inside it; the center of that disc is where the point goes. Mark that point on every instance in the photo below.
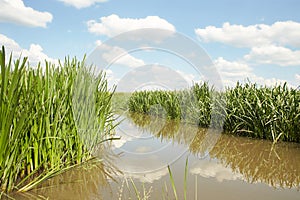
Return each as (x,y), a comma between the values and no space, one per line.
(250,160)
(141,152)
(149,144)
(90,180)
(208,169)
(259,161)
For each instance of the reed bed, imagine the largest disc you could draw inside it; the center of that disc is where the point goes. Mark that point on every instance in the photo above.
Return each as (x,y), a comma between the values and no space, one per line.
(39,137)
(250,110)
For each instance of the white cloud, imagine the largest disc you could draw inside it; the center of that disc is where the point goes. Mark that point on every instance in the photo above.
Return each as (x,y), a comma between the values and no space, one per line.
(35,52)
(230,34)
(125,59)
(9,43)
(188,77)
(98,42)
(82,3)
(279,33)
(152,76)
(272,54)
(269,44)
(297,78)
(113,25)
(15,11)
(111,78)
(234,67)
(268,81)
(233,71)
(116,55)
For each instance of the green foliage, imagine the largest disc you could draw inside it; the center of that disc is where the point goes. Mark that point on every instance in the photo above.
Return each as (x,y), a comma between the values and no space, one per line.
(262,112)
(192,106)
(39,137)
(145,100)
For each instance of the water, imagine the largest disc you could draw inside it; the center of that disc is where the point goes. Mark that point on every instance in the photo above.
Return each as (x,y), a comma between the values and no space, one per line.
(219,166)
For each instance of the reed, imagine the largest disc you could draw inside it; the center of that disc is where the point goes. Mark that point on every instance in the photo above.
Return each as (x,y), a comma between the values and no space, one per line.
(250,110)
(38,136)
(264,112)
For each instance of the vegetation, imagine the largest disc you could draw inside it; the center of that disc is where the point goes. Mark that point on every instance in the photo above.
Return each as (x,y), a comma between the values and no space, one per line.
(39,135)
(55,117)
(248,110)
(120,102)
(184,182)
(266,112)
(193,106)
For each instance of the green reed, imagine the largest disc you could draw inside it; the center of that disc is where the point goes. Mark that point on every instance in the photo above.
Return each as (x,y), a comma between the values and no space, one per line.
(39,137)
(264,112)
(248,110)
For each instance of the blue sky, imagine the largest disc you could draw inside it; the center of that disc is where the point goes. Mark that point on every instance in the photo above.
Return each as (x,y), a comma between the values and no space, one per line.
(259,40)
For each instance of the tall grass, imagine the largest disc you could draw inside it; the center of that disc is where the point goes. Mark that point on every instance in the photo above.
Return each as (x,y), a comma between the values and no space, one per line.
(39,137)
(264,112)
(145,102)
(192,106)
(249,110)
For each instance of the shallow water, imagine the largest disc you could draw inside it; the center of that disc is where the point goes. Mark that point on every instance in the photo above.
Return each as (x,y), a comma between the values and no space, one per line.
(219,166)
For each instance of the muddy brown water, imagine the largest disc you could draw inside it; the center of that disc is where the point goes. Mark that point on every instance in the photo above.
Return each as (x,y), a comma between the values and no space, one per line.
(219,166)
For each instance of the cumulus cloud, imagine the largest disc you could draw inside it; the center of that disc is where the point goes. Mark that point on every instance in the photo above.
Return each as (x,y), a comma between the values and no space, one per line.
(272,54)
(279,33)
(233,71)
(98,42)
(113,25)
(110,76)
(14,11)
(105,55)
(125,58)
(297,78)
(82,3)
(152,76)
(232,68)
(188,77)
(274,44)
(9,43)
(35,52)
(268,81)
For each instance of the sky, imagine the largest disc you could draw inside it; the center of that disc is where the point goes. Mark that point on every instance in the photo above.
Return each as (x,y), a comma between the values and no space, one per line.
(257,40)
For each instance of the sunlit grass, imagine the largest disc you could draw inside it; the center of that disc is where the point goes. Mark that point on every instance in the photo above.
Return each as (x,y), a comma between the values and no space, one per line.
(39,137)
(264,112)
(248,110)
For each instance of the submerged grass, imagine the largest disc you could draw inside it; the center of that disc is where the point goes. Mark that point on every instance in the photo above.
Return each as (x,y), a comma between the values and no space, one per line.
(39,137)
(248,110)
(184,181)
